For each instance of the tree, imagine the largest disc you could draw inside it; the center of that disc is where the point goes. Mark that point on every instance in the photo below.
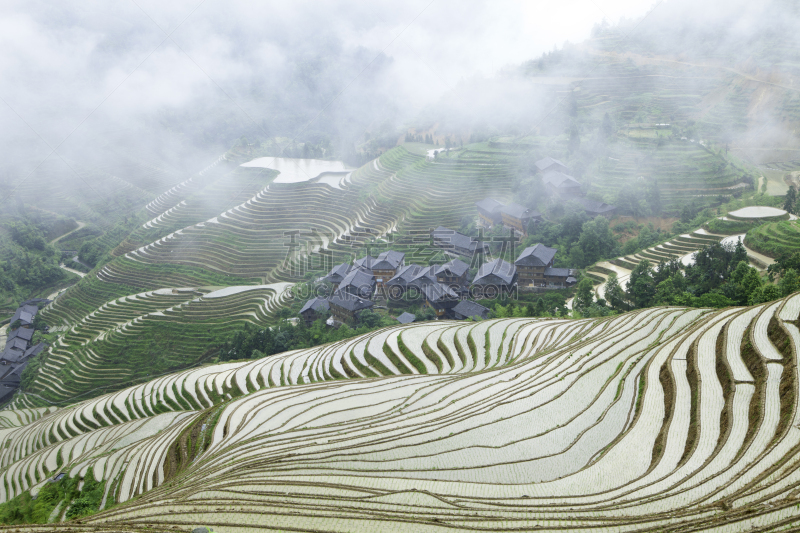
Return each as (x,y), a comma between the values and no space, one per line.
(641,287)
(596,241)
(789,283)
(790,203)
(614,294)
(583,298)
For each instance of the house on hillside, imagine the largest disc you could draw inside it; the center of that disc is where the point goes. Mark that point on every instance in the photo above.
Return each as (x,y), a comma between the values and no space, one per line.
(594,208)
(337,274)
(560,278)
(345,307)
(549,164)
(468,309)
(386,266)
(358,283)
(457,243)
(518,217)
(439,297)
(532,263)
(25,315)
(397,285)
(25,334)
(489,212)
(453,274)
(494,278)
(314,309)
(561,184)
(365,263)
(406,318)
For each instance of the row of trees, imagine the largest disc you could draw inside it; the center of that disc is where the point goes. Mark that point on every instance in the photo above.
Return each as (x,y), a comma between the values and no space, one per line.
(719,277)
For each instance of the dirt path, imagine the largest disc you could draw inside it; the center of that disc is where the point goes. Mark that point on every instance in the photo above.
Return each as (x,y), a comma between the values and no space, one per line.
(81,274)
(80,225)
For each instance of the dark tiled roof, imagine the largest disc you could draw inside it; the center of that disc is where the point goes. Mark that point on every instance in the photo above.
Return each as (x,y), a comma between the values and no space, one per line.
(388,260)
(320,305)
(25,314)
(406,318)
(12,356)
(536,255)
(547,162)
(594,207)
(560,272)
(358,282)
(338,273)
(36,301)
(17,344)
(406,274)
(365,262)
(470,309)
(426,276)
(456,267)
(560,180)
(489,205)
(503,270)
(435,292)
(519,211)
(456,239)
(35,350)
(350,302)
(21,333)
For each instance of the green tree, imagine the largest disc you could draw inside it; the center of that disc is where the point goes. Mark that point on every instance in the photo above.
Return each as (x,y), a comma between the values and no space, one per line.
(614,294)
(789,283)
(596,241)
(790,202)
(584,297)
(641,287)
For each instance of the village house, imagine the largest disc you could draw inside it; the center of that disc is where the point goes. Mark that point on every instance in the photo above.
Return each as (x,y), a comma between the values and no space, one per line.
(549,164)
(453,274)
(397,286)
(358,283)
(24,315)
(518,217)
(561,184)
(466,309)
(314,309)
(386,266)
(406,318)
(594,208)
(439,297)
(346,307)
(560,278)
(457,243)
(489,212)
(532,263)
(494,278)
(337,274)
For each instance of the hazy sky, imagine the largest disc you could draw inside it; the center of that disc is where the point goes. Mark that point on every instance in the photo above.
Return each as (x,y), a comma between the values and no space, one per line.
(75,68)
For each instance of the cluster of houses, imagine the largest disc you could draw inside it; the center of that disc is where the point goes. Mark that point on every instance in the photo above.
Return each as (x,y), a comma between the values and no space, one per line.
(445,288)
(18,349)
(556,178)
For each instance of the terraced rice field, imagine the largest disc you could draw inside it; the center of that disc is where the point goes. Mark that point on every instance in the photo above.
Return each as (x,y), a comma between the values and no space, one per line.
(664,418)
(234,226)
(774,238)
